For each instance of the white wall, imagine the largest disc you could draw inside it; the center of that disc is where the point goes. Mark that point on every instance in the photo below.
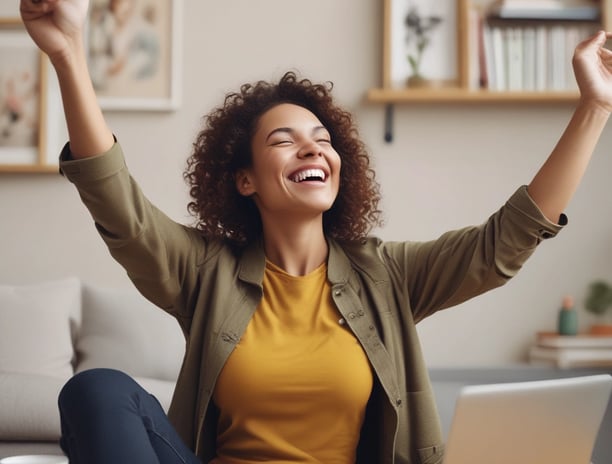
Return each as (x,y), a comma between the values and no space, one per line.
(449,166)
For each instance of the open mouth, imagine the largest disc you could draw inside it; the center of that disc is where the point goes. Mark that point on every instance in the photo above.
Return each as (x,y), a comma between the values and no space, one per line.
(317,175)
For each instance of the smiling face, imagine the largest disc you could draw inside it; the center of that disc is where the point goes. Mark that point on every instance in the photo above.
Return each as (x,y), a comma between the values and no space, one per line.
(295,169)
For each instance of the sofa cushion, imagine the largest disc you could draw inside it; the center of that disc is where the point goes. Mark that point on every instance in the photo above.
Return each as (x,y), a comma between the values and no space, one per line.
(122,330)
(28,403)
(29,407)
(36,324)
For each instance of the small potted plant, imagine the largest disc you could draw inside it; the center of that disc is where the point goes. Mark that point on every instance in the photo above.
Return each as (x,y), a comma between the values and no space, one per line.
(418,37)
(599,303)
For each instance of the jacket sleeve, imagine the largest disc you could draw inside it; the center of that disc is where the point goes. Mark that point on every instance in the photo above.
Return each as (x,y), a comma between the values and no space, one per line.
(157,252)
(467,262)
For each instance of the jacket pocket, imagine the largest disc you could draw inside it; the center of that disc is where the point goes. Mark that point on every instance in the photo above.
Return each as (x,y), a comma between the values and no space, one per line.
(431,454)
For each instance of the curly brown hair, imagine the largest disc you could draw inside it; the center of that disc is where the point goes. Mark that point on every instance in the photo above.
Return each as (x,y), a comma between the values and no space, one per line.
(223,147)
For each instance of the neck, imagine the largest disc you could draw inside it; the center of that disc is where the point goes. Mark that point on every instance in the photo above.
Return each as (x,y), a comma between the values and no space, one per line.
(296,250)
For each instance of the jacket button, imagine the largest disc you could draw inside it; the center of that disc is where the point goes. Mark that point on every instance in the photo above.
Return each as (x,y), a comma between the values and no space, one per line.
(398,402)
(338,292)
(544,234)
(352,315)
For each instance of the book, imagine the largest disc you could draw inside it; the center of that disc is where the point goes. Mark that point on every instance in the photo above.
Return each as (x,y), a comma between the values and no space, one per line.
(567,351)
(541,59)
(529,58)
(514,58)
(557,58)
(554,340)
(498,48)
(543,10)
(488,67)
(477,76)
(566,358)
(528,4)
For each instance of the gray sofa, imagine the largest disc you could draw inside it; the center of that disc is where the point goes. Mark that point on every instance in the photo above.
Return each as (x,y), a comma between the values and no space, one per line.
(51,330)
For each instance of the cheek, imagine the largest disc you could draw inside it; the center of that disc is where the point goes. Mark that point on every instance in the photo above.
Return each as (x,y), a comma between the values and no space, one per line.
(337,164)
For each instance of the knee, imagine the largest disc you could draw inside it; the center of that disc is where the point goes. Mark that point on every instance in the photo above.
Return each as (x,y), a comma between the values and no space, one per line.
(94,388)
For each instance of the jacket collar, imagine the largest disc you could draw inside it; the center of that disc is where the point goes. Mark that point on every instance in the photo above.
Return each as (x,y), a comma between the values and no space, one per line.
(252,263)
(338,264)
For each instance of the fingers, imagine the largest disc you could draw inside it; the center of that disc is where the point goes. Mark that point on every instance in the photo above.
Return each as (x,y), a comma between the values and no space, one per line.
(601,37)
(597,45)
(36,3)
(34,7)
(592,45)
(596,40)
(30,5)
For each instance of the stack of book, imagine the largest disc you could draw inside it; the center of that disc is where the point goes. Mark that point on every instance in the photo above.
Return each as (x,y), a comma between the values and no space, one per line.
(570,351)
(544,9)
(527,45)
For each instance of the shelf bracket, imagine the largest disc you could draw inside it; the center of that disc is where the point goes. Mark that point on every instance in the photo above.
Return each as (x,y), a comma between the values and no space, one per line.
(389,123)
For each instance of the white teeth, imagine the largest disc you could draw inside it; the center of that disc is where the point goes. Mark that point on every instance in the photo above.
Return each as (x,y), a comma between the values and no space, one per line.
(318,174)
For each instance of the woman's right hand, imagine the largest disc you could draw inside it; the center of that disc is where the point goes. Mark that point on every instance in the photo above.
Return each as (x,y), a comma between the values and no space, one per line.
(56,26)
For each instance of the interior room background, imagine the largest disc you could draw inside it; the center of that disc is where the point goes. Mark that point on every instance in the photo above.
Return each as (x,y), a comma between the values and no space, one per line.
(449,165)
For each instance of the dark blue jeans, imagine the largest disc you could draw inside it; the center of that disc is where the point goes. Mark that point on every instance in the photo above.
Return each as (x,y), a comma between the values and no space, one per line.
(108,418)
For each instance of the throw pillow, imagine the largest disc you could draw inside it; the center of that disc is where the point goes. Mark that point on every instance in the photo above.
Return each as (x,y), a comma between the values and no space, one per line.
(122,330)
(35,327)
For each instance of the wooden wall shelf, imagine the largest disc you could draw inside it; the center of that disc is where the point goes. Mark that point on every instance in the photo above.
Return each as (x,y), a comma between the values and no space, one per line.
(460,95)
(459,90)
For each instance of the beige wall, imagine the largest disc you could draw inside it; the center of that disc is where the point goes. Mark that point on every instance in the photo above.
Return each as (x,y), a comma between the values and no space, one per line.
(449,166)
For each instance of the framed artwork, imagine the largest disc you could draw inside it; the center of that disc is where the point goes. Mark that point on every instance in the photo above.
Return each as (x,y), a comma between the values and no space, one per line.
(421,40)
(23,96)
(133,49)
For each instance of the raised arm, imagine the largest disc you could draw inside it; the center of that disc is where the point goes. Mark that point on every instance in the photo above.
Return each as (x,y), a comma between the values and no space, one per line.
(557,180)
(56,26)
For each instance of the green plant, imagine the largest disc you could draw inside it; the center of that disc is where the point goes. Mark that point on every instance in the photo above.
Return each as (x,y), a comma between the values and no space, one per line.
(419,30)
(599,298)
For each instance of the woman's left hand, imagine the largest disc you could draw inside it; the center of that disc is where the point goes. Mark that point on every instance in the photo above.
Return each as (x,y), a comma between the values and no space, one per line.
(592,64)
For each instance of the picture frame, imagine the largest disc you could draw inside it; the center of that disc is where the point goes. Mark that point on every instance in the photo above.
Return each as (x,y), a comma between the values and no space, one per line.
(134,53)
(439,65)
(23,101)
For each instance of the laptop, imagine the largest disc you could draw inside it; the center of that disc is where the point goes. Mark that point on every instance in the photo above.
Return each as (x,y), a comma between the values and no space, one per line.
(536,422)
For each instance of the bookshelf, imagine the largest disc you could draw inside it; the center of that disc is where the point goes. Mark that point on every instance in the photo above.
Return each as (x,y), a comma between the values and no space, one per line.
(461,88)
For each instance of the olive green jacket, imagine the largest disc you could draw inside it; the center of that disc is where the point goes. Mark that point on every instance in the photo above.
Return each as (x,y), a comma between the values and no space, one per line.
(382,289)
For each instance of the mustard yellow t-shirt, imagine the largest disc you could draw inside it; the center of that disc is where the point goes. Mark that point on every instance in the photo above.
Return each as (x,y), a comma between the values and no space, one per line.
(296,386)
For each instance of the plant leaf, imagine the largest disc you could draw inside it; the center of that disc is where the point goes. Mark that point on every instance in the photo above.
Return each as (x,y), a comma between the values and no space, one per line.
(599,297)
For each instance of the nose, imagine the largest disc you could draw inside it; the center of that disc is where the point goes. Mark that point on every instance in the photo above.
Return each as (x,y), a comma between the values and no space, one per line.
(310,149)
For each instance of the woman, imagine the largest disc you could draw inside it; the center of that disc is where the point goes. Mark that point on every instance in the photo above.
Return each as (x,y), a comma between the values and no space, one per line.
(301,340)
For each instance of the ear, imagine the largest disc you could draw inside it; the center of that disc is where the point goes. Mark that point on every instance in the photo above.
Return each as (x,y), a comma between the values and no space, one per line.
(244,184)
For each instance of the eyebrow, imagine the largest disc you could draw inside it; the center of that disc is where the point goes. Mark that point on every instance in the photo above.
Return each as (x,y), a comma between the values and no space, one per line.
(290,131)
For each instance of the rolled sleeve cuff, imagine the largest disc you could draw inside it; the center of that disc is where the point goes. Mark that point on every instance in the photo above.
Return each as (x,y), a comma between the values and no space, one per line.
(522,203)
(91,168)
